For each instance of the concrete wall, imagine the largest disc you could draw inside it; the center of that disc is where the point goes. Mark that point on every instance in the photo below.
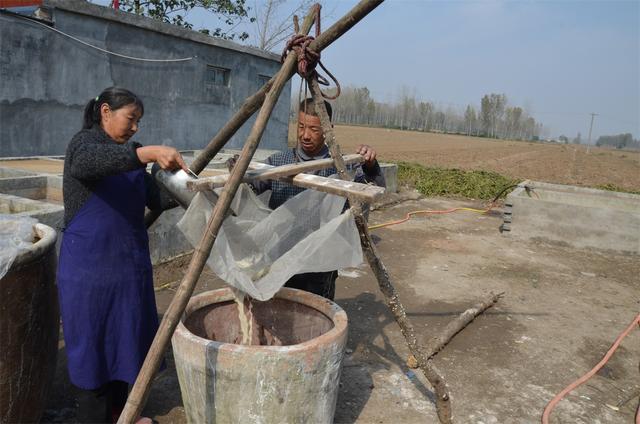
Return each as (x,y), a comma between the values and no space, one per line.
(579,217)
(47,78)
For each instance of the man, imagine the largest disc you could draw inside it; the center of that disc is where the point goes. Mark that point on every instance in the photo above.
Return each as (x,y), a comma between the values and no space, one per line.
(311,146)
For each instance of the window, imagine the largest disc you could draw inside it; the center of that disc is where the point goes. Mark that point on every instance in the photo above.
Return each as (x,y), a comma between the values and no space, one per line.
(263,79)
(217,76)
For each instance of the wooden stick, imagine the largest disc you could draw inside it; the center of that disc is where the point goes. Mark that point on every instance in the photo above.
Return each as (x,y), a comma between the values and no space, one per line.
(252,103)
(359,192)
(349,189)
(436,344)
(138,396)
(270,173)
(246,111)
(443,402)
(140,389)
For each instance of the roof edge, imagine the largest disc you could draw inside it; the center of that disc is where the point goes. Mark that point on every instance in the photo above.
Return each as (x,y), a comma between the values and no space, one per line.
(83,7)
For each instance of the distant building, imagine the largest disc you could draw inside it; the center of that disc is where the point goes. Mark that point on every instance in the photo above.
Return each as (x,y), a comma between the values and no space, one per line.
(46,78)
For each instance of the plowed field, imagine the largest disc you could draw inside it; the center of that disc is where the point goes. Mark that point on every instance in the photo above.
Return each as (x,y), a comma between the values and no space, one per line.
(563,164)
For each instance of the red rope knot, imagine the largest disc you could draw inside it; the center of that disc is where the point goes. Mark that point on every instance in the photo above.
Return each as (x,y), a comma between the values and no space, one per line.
(307,58)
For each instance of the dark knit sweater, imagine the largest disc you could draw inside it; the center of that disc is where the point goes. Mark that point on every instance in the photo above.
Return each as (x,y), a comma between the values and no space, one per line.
(92,155)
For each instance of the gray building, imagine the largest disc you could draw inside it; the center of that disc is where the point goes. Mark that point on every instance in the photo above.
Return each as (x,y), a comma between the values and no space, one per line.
(46,78)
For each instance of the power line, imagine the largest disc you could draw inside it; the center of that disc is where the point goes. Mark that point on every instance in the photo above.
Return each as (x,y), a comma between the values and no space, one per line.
(101,49)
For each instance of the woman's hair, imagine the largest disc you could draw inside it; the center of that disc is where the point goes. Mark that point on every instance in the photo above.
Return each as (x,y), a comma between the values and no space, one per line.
(116,98)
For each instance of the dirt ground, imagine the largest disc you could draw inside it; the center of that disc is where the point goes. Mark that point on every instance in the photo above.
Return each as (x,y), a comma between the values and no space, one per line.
(562,309)
(553,163)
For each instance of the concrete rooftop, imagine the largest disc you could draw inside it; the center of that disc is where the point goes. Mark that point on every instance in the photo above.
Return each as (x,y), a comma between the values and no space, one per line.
(562,309)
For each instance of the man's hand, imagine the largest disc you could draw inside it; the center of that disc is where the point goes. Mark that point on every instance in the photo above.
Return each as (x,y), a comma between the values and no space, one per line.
(166,157)
(231,162)
(368,153)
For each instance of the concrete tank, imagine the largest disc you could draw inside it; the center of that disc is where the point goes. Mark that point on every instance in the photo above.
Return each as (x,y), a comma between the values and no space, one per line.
(289,373)
(29,323)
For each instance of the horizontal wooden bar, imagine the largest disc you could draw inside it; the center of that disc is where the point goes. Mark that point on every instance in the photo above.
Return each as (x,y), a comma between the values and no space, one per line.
(268,172)
(363,192)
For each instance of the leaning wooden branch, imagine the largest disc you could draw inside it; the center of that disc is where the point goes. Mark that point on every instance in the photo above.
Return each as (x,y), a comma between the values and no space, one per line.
(140,390)
(443,403)
(138,396)
(253,103)
(431,372)
(246,111)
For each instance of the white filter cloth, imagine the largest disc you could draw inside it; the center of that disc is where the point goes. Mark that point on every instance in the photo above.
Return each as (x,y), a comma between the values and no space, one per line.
(16,235)
(258,249)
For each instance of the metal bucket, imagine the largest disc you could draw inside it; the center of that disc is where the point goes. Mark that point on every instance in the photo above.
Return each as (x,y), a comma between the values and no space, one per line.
(223,382)
(175,182)
(29,323)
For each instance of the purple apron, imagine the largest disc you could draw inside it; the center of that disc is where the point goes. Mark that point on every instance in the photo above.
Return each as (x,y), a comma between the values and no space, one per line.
(105,283)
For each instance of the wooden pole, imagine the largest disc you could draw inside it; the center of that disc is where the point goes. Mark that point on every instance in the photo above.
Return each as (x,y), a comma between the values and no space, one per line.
(138,396)
(252,103)
(443,402)
(140,390)
(246,111)
(269,173)
(248,108)
(436,344)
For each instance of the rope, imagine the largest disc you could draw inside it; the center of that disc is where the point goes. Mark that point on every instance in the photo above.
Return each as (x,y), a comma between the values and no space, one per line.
(103,50)
(308,59)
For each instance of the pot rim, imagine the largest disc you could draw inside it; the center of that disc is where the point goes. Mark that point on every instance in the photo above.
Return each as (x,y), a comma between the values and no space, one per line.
(330,309)
(46,240)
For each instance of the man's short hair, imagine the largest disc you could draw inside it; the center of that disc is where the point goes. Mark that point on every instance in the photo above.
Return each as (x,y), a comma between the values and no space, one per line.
(308,106)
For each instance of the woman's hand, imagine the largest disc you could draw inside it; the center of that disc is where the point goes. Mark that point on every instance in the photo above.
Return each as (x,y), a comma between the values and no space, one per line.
(167,157)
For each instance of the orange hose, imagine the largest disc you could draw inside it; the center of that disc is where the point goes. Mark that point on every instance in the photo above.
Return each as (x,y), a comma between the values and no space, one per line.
(552,404)
(432,212)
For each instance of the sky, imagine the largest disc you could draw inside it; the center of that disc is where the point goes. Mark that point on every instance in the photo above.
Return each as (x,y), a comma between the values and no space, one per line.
(559,60)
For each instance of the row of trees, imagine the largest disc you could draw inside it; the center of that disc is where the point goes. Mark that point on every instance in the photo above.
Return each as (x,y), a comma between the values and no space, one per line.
(271,25)
(620,141)
(495,117)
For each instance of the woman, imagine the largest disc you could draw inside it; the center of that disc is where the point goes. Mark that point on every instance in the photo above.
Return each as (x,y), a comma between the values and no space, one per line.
(104,275)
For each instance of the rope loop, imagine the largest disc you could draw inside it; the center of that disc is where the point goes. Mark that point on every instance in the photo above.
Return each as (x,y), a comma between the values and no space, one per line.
(308,58)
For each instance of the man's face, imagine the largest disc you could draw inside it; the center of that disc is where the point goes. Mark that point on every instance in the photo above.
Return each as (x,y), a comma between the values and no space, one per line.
(310,134)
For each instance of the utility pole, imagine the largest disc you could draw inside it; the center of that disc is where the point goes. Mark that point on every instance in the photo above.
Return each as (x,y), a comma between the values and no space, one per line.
(593,115)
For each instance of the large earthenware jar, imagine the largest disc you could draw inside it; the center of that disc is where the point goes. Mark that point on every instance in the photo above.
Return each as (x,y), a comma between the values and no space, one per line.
(289,374)
(29,323)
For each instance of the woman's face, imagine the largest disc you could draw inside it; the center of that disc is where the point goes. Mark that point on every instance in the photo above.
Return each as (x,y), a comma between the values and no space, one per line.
(120,124)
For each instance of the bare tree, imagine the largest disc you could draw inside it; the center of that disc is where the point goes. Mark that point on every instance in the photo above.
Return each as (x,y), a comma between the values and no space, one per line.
(486,115)
(469,119)
(273,21)
(425,109)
